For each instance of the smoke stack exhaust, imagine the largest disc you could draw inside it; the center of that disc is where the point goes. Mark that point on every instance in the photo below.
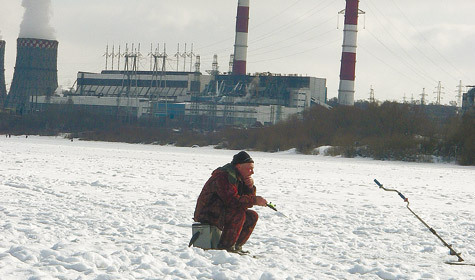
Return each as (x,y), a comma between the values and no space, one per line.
(346,91)
(240,43)
(3,88)
(35,73)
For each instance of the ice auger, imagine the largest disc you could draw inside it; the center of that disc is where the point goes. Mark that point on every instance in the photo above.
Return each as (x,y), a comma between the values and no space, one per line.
(452,251)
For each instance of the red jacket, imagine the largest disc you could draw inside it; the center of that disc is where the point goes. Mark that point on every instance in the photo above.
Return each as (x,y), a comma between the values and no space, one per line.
(225,192)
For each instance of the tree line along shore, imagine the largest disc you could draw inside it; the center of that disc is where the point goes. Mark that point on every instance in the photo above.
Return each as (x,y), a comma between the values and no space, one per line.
(387,131)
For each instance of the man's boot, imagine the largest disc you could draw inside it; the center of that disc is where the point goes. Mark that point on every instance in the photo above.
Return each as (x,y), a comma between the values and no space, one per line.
(238,249)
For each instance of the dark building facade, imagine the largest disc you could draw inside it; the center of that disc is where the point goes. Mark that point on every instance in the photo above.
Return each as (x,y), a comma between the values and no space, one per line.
(467,101)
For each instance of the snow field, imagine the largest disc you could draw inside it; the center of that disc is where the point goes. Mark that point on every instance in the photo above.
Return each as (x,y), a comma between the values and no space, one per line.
(95,210)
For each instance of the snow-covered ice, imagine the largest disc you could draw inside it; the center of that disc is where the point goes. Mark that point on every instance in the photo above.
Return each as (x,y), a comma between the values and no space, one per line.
(95,210)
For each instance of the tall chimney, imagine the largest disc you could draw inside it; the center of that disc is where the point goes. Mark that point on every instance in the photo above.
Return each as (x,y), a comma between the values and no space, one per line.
(240,43)
(3,88)
(35,73)
(346,91)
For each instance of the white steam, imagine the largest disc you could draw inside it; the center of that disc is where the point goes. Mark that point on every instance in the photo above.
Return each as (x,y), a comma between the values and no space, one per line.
(36,19)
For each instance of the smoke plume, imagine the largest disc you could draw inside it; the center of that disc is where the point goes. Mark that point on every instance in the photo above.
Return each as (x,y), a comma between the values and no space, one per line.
(36,19)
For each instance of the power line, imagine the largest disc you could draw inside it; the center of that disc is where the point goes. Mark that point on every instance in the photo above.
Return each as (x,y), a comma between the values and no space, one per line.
(291,45)
(276,15)
(371,53)
(428,42)
(403,34)
(297,53)
(293,22)
(417,68)
(295,35)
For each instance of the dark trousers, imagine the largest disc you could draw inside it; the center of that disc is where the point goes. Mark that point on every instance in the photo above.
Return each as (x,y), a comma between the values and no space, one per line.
(238,226)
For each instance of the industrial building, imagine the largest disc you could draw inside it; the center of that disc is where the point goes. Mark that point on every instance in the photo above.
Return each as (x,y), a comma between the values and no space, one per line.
(220,99)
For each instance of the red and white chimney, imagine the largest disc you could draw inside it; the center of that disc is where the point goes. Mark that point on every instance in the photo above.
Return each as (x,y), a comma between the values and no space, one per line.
(346,91)
(240,43)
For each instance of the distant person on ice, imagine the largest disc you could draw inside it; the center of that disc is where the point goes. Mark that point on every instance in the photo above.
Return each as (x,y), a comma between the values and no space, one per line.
(225,199)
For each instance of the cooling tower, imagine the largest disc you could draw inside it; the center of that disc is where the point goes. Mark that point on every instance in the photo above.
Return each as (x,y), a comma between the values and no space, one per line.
(240,45)
(35,73)
(3,89)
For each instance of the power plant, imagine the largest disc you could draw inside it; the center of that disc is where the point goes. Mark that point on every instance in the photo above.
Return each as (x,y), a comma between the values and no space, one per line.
(35,75)
(3,88)
(209,99)
(213,98)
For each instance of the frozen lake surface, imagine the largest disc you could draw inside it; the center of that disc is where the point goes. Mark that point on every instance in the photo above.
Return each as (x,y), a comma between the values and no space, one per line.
(95,210)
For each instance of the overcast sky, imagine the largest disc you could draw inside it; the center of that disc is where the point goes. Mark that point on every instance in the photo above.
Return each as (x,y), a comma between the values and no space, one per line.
(403,45)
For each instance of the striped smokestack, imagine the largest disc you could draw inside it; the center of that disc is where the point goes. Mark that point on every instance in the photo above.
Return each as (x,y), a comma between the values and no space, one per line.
(240,43)
(35,73)
(3,89)
(346,92)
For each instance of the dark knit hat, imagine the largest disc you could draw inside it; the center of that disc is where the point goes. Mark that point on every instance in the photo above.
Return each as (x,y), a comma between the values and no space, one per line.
(241,157)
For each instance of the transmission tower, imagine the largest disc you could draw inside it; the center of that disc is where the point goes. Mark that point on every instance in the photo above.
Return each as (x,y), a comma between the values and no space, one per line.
(371,95)
(139,57)
(423,96)
(184,55)
(112,56)
(130,77)
(177,55)
(151,55)
(130,70)
(118,55)
(459,95)
(158,72)
(106,54)
(438,93)
(191,54)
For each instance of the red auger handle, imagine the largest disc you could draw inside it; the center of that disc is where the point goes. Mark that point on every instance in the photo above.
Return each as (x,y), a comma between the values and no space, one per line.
(402,196)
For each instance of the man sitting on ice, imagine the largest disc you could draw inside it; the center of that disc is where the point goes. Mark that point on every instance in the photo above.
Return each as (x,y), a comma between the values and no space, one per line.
(225,199)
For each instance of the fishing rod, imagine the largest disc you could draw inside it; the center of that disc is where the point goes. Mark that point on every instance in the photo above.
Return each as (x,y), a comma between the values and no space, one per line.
(272,206)
(452,251)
